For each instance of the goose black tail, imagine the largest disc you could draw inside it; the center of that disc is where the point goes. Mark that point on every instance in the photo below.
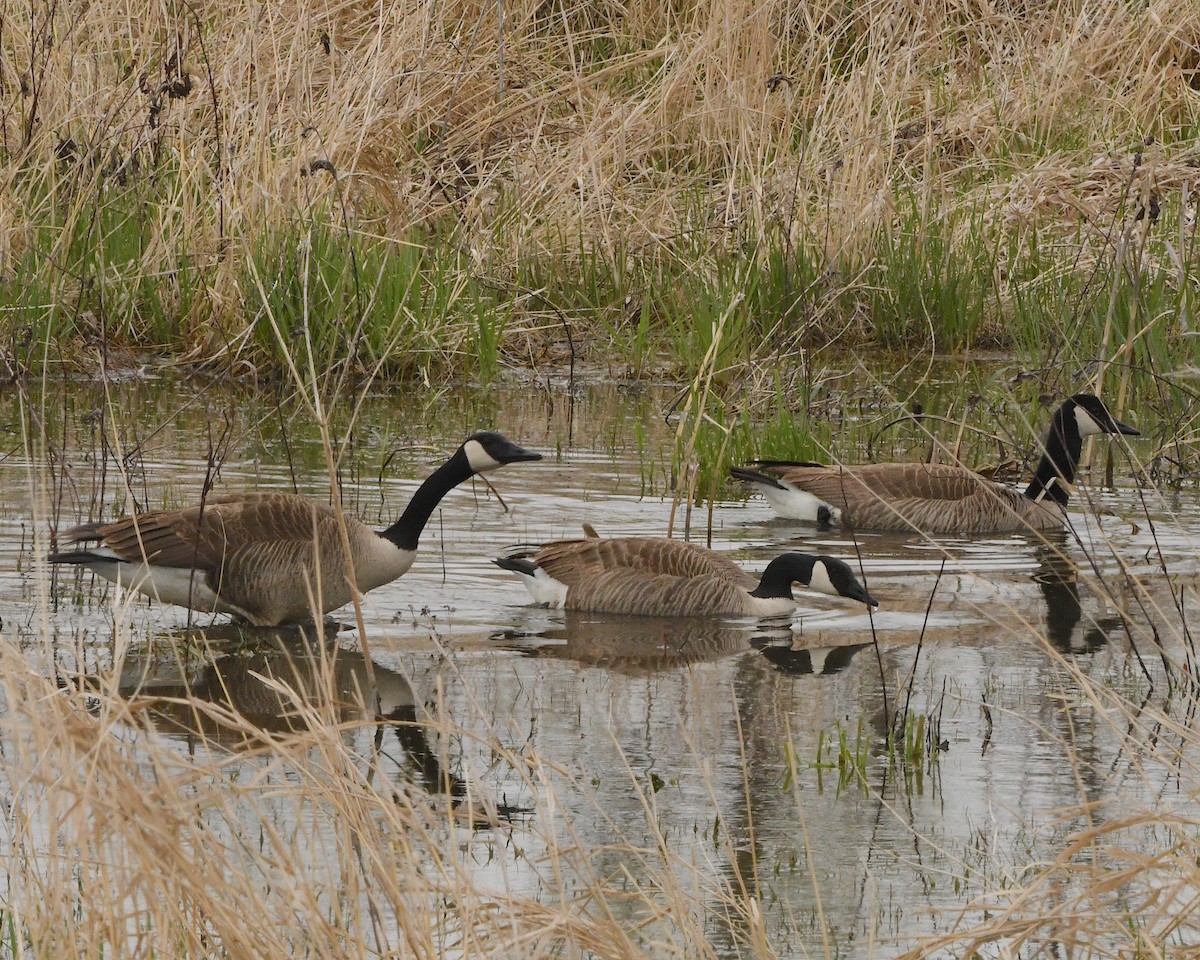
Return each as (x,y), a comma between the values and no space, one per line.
(75,556)
(753,476)
(786,463)
(517,564)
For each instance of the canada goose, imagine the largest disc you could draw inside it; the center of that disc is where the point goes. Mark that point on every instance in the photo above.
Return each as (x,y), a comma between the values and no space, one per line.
(653,576)
(938,498)
(267,558)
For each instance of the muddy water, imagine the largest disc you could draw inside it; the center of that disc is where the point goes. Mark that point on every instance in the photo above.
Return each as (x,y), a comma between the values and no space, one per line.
(721,738)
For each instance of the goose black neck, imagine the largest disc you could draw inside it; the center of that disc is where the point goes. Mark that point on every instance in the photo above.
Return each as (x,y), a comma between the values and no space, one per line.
(779,576)
(405,533)
(1056,469)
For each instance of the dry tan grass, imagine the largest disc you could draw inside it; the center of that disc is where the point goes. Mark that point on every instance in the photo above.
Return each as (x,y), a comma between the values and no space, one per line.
(117,842)
(592,123)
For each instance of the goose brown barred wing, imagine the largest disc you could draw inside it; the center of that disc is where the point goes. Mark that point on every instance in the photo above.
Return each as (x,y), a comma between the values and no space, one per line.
(933,498)
(572,561)
(204,536)
(847,486)
(991,509)
(637,593)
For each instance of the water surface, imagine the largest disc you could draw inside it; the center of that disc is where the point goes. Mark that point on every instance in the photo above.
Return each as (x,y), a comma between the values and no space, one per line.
(720,737)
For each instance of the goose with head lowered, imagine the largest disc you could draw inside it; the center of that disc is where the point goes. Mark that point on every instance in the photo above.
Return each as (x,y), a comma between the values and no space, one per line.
(271,558)
(938,498)
(655,576)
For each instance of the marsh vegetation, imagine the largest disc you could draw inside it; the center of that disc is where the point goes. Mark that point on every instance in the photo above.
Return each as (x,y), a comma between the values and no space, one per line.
(411,189)
(279,246)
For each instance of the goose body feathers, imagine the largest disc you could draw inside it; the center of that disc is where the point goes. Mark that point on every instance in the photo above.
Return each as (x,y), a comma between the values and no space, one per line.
(653,576)
(270,558)
(939,498)
(931,497)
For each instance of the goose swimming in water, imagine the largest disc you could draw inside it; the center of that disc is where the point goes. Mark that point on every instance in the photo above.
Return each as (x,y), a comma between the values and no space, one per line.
(654,576)
(938,498)
(271,558)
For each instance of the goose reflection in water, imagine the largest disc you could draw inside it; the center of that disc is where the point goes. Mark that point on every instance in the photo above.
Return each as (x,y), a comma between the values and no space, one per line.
(645,645)
(821,661)
(275,680)
(1069,627)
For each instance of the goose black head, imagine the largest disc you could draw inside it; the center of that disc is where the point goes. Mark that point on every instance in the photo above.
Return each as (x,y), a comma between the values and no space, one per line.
(830,575)
(1082,415)
(487,450)
(820,574)
(1092,417)
(479,453)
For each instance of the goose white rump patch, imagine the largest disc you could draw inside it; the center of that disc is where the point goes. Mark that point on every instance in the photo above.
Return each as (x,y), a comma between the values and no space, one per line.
(796,504)
(181,586)
(545,589)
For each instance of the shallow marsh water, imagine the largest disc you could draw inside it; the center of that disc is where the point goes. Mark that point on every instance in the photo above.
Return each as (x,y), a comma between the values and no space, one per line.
(722,738)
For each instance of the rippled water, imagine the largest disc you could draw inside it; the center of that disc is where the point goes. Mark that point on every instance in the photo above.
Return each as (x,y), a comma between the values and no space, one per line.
(722,738)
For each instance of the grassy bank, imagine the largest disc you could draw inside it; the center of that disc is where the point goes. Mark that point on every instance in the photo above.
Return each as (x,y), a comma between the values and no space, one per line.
(421,190)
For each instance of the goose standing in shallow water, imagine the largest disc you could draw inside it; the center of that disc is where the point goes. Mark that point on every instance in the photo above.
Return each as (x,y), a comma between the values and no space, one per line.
(939,498)
(653,576)
(269,558)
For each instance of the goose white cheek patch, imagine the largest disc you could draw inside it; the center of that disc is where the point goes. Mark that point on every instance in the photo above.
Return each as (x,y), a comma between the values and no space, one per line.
(479,459)
(820,580)
(1088,427)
